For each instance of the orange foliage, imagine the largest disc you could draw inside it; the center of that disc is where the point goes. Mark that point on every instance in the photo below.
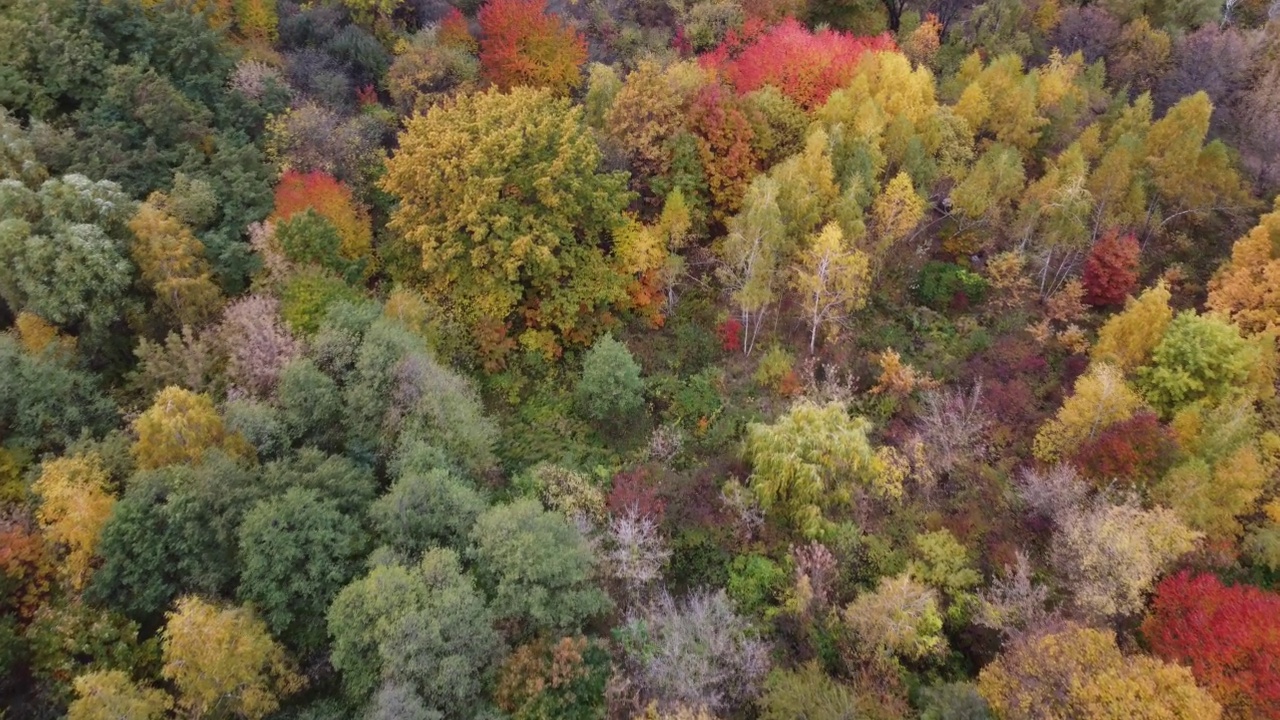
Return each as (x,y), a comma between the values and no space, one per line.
(521,44)
(454,32)
(26,568)
(724,146)
(333,201)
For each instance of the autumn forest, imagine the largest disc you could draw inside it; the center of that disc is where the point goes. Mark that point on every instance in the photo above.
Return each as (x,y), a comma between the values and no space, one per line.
(639,359)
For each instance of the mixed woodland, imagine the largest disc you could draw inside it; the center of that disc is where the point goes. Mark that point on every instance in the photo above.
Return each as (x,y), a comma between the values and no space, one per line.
(640,359)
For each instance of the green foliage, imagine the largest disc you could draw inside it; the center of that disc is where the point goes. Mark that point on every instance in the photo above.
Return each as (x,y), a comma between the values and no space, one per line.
(1200,357)
(46,402)
(427,509)
(307,238)
(535,567)
(296,553)
(953,701)
(308,295)
(941,284)
(809,693)
(310,405)
(755,584)
(610,389)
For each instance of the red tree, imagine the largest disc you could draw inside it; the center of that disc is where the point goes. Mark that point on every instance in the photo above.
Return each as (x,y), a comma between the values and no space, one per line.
(1228,636)
(1136,450)
(636,488)
(1111,270)
(26,568)
(805,66)
(453,31)
(521,44)
(724,146)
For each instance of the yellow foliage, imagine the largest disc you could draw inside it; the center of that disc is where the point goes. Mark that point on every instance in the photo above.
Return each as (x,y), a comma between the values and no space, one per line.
(36,334)
(1128,337)
(1010,286)
(1101,398)
(898,209)
(1211,499)
(833,280)
(897,377)
(1081,673)
(1247,288)
(171,260)
(179,427)
(111,695)
(74,506)
(225,661)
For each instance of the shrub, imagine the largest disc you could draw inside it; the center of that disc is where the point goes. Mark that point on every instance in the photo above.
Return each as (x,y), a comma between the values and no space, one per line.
(943,285)
(610,388)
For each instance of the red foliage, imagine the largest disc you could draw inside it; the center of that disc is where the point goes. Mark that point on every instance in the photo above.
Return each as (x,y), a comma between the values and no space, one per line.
(724,147)
(330,199)
(26,568)
(636,489)
(1111,270)
(805,66)
(521,44)
(1137,450)
(1228,636)
(453,31)
(730,332)
(367,96)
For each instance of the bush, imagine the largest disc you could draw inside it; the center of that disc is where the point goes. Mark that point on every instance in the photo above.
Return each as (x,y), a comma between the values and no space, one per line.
(610,388)
(943,285)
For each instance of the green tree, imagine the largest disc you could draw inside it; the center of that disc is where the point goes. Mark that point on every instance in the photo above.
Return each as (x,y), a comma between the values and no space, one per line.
(503,198)
(536,568)
(296,552)
(46,401)
(422,510)
(808,692)
(610,389)
(1199,357)
(815,457)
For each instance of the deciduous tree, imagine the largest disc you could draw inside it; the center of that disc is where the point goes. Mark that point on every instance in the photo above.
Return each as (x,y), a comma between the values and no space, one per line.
(75,504)
(833,278)
(172,261)
(179,427)
(1246,288)
(1127,339)
(1079,672)
(1111,270)
(523,44)
(1102,397)
(224,661)
(1226,635)
(111,694)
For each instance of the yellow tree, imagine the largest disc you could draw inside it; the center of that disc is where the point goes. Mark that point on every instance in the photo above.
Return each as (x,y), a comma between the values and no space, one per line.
(172,262)
(224,662)
(1247,288)
(1128,337)
(1189,176)
(112,695)
(896,212)
(178,428)
(751,254)
(1079,672)
(1101,398)
(832,278)
(74,506)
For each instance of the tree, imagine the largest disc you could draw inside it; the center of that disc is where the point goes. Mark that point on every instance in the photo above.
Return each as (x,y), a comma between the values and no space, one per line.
(1226,635)
(296,552)
(610,389)
(425,628)
(808,692)
(224,661)
(636,551)
(897,210)
(447,648)
(899,618)
(503,196)
(521,44)
(1127,339)
(833,279)
(1135,451)
(1111,270)
(1101,398)
(535,567)
(111,694)
(422,510)
(804,65)
(562,679)
(815,457)
(724,137)
(433,67)
(989,188)
(75,505)
(257,342)
(179,427)
(172,261)
(696,652)
(1199,357)
(63,251)
(1079,672)
(1110,555)
(1189,176)
(1244,290)
(46,401)
(330,199)
(750,256)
